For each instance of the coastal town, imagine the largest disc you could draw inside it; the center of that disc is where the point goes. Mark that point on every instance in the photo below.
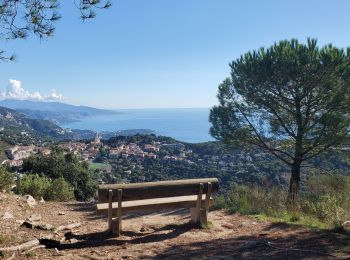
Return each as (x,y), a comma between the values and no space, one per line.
(96,150)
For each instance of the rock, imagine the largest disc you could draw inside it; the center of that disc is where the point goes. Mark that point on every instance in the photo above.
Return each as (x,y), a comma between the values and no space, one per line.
(61,213)
(42,200)
(73,240)
(7,215)
(45,227)
(20,221)
(34,218)
(38,226)
(27,224)
(59,253)
(30,201)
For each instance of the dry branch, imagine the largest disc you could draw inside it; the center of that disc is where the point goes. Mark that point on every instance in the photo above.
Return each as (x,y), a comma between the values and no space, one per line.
(36,247)
(24,246)
(68,227)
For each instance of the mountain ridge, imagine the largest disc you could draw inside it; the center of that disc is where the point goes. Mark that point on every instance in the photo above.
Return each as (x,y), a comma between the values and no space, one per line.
(56,112)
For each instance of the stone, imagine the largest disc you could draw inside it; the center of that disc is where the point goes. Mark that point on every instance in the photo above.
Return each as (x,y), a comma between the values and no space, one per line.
(45,227)
(38,226)
(61,213)
(42,200)
(73,240)
(34,218)
(20,221)
(30,201)
(27,224)
(59,253)
(7,215)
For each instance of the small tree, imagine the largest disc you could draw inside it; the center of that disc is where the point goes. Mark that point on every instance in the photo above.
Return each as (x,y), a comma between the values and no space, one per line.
(19,18)
(6,179)
(292,100)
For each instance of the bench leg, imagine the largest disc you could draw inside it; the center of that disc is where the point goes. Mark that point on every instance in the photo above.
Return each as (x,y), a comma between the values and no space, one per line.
(110,209)
(115,229)
(120,194)
(205,210)
(116,222)
(195,212)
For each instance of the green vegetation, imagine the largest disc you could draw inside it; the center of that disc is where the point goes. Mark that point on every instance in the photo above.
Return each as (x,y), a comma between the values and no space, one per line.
(291,100)
(65,166)
(3,147)
(41,186)
(61,190)
(324,202)
(6,179)
(35,185)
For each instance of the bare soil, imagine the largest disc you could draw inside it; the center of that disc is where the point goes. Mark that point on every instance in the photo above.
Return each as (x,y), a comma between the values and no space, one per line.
(161,235)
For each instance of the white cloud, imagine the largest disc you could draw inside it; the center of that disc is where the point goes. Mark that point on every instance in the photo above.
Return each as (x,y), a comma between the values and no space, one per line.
(15,90)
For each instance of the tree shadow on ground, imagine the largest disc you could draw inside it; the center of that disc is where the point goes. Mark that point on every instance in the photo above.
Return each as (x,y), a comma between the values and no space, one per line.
(301,244)
(101,239)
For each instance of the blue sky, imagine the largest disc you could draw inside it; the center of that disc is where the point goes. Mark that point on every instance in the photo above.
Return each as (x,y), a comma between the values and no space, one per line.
(162,53)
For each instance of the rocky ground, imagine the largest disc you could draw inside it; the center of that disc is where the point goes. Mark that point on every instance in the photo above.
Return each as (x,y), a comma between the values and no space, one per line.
(158,235)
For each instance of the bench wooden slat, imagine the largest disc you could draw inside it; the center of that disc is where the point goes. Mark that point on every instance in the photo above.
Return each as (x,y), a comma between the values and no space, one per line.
(160,189)
(150,204)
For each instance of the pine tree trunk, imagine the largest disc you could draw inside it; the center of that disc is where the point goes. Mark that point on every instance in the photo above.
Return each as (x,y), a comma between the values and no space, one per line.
(294,184)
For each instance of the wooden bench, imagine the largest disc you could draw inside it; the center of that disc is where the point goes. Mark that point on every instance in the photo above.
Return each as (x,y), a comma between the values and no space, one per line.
(195,194)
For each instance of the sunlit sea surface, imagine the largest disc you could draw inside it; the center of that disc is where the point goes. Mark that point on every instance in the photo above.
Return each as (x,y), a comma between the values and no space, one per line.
(187,124)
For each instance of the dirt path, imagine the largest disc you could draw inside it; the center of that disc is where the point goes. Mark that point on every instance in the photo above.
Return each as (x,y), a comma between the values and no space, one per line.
(162,235)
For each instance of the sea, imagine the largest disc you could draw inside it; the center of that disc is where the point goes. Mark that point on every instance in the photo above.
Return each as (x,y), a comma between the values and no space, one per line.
(184,124)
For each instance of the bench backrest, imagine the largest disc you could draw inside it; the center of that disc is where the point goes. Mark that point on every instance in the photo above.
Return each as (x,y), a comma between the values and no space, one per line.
(160,189)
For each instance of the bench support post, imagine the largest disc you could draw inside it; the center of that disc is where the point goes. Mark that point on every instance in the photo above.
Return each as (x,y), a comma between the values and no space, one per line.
(110,213)
(205,210)
(119,216)
(115,223)
(195,212)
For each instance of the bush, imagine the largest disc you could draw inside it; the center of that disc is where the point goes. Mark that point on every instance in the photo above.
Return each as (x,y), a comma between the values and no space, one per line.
(220,202)
(6,179)
(325,200)
(41,186)
(67,166)
(256,200)
(328,198)
(35,185)
(60,190)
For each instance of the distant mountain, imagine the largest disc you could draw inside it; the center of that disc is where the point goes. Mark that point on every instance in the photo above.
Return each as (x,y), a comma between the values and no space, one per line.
(17,128)
(56,112)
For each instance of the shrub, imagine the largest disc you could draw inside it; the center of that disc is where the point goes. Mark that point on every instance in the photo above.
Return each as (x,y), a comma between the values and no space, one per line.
(220,202)
(6,179)
(256,200)
(67,166)
(35,185)
(41,186)
(325,201)
(60,190)
(328,198)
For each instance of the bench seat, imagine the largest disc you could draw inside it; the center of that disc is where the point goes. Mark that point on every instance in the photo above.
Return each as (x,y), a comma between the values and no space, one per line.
(159,203)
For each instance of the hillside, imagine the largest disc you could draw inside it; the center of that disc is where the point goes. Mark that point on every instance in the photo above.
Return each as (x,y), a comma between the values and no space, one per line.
(17,128)
(159,235)
(53,111)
